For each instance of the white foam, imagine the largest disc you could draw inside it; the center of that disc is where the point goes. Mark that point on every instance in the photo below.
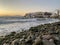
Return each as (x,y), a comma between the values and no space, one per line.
(7,28)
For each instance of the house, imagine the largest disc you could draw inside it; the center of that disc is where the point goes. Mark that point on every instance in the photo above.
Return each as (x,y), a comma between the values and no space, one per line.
(38,15)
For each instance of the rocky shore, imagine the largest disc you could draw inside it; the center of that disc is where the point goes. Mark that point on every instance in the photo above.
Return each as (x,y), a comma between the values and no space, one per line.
(47,34)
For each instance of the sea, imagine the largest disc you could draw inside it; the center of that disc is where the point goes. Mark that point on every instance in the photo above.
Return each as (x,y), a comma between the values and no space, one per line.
(17,25)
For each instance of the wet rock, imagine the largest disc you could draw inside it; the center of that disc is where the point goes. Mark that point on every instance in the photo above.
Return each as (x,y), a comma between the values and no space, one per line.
(48,42)
(57,40)
(15,42)
(6,44)
(22,41)
(46,36)
(38,41)
(30,39)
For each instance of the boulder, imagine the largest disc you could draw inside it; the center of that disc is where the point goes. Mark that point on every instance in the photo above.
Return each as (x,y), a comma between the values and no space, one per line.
(6,44)
(38,41)
(46,36)
(48,42)
(15,42)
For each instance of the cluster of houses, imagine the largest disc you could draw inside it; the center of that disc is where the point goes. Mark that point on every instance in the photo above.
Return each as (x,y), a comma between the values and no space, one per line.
(41,15)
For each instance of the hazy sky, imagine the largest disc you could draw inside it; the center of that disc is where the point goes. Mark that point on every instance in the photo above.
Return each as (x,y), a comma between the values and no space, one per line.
(20,7)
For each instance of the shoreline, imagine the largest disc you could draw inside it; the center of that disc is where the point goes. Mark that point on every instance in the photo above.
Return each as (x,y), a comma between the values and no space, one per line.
(31,26)
(40,31)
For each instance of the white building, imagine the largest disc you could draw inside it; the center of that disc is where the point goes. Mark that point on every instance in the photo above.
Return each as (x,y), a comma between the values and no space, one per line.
(38,14)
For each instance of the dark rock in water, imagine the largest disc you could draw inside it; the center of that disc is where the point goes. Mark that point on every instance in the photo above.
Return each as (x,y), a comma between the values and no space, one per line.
(34,29)
(58,23)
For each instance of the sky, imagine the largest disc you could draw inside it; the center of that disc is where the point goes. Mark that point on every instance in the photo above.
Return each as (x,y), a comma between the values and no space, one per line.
(20,7)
